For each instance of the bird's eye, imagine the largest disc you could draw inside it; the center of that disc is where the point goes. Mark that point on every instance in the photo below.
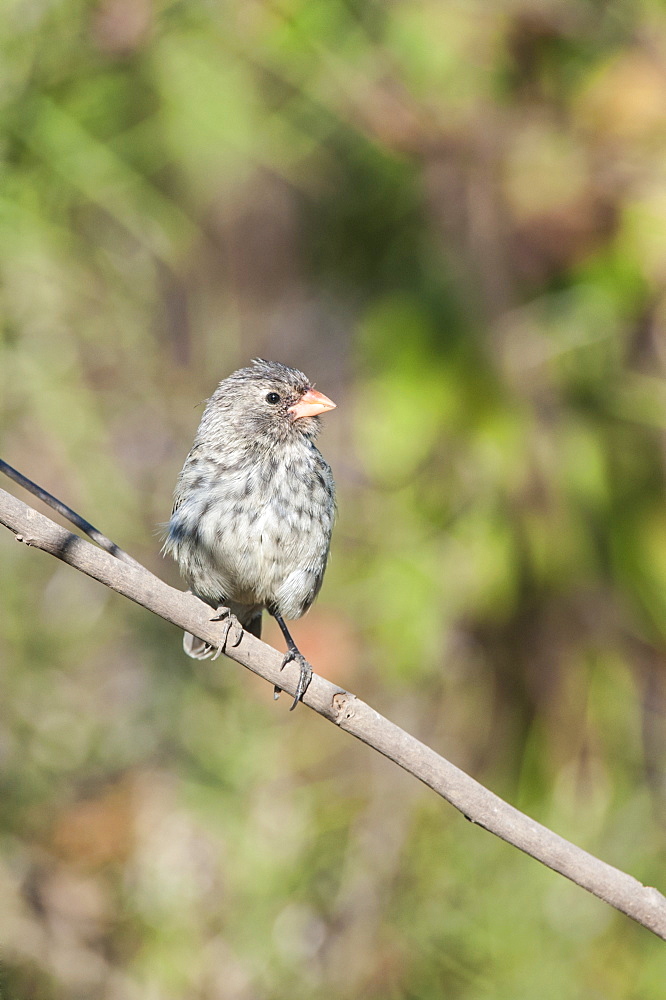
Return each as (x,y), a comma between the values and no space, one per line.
(273,397)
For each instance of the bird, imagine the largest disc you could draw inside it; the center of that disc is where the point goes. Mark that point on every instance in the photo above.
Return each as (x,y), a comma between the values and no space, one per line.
(254,505)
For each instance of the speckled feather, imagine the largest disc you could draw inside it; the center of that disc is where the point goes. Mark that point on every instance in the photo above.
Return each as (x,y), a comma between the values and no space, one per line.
(255,502)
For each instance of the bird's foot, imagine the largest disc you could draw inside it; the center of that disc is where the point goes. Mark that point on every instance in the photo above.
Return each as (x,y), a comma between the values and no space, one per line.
(303,680)
(230,621)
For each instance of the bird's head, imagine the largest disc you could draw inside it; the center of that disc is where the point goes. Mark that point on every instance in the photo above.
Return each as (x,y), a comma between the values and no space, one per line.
(273,399)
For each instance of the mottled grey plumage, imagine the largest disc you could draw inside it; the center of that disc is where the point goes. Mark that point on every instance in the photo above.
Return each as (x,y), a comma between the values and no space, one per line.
(255,502)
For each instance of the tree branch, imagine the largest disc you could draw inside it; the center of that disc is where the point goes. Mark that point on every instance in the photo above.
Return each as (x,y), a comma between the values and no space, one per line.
(644,904)
(67,512)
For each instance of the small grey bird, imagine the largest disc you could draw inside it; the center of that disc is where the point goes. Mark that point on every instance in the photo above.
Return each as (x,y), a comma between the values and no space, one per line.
(254,504)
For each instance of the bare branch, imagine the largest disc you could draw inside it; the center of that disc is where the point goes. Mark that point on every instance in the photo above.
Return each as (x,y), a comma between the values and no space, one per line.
(645,905)
(69,514)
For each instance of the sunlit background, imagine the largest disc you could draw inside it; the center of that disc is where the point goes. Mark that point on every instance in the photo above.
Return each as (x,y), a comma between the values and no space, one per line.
(452,216)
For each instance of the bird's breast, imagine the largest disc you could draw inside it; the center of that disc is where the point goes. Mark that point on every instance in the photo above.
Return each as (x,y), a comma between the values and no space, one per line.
(259,533)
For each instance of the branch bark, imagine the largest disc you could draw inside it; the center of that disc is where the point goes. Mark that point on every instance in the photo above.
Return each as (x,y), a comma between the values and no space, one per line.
(644,904)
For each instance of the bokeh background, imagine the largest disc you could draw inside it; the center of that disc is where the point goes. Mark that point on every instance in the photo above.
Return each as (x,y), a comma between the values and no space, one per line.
(452,216)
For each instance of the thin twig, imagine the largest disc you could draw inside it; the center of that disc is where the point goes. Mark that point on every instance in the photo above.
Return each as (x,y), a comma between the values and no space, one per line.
(644,904)
(69,514)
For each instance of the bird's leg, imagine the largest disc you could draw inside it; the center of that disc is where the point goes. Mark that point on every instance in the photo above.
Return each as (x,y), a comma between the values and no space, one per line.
(225,616)
(293,653)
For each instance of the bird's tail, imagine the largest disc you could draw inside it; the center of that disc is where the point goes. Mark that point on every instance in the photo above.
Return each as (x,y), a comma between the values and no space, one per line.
(198,649)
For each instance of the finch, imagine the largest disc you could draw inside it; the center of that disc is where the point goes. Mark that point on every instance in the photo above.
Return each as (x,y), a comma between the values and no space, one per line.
(254,504)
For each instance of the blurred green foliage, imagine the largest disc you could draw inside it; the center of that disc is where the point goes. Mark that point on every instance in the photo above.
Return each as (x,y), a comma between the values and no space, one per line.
(453,217)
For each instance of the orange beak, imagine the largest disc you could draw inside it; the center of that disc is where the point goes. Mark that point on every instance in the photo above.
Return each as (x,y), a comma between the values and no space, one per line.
(310,404)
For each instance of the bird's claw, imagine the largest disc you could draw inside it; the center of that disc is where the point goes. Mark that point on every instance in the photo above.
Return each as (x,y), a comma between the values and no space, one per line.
(230,622)
(303,680)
